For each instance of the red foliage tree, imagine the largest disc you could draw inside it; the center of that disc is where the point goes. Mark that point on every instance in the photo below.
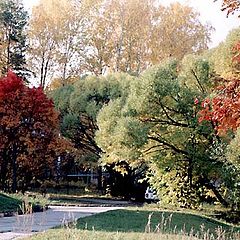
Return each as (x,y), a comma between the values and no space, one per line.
(223,110)
(29,135)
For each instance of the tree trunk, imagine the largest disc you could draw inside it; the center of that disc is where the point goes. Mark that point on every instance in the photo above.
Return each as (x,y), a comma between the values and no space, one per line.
(4,170)
(190,170)
(217,194)
(8,51)
(14,168)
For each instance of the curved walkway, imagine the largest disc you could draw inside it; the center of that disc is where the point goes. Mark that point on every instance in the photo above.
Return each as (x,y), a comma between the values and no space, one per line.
(23,225)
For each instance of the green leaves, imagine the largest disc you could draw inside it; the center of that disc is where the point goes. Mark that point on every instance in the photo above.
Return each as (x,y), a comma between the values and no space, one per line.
(233,150)
(91,94)
(120,137)
(13,21)
(79,105)
(221,57)
(61,98)
(157,123)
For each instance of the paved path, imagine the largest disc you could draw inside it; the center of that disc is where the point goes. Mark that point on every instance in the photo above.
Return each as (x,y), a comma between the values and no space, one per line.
(17,226)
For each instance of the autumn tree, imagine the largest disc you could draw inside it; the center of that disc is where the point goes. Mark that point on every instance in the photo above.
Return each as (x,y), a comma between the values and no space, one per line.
(178,24)
(119,36)
(42,43)
(220,109)
(69,38)
(30,141)
(222,56)
(56,35)
(130,36)
(13,21)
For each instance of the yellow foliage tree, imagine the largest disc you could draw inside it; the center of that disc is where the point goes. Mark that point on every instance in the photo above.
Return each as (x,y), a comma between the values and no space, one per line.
(56,39)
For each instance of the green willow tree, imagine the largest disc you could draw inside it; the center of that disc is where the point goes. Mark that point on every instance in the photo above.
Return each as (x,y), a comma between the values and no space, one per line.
(157,123)
(13,21)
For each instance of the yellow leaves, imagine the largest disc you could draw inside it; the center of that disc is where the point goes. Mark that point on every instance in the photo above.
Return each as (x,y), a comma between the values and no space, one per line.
(56,34)
(107,36)
(178,31)
(120,169)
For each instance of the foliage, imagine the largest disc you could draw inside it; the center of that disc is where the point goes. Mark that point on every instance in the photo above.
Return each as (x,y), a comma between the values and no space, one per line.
(125,36)
(222,56)
(222,109)
(232,156)
(233,150)
(80,103)
(157,123)
(134,42)
(30,141)
(56,34)
(61,97)
(13,21)
(179,32)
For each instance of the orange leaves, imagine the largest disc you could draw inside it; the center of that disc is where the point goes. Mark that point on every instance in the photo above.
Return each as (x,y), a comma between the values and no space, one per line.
(205,113)
(231,6)
(223,110)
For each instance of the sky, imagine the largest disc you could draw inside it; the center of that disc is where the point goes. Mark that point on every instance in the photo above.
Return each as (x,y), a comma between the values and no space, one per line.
(209,10)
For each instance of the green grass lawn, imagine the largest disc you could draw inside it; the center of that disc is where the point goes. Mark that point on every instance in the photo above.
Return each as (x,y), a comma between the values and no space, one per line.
(9,204)
(132,224)
(130,220)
